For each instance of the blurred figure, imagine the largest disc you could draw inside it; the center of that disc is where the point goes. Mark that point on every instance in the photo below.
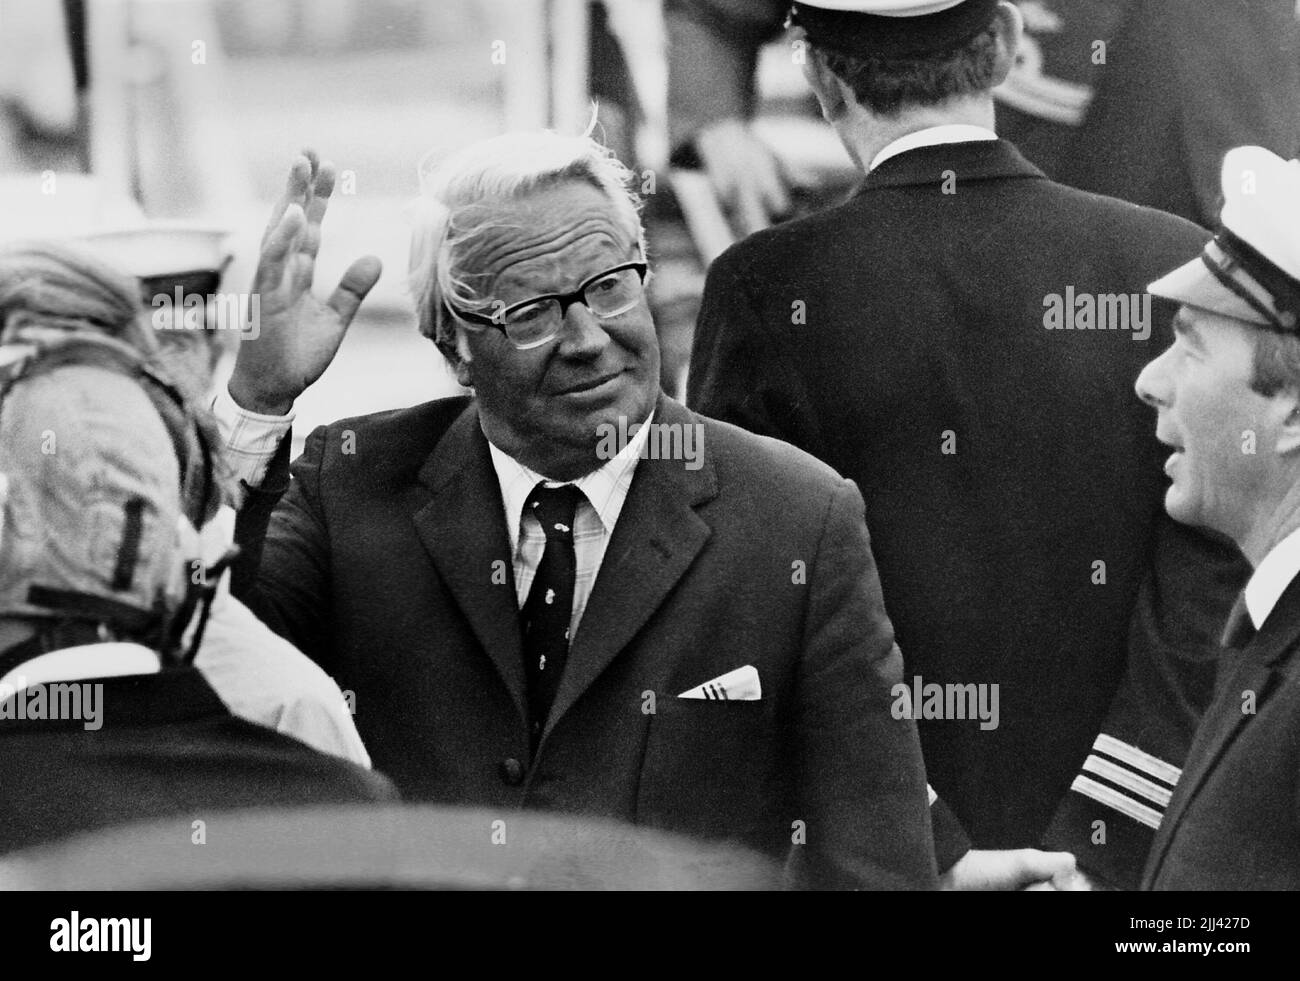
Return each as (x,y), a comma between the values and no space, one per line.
(402,846)
(1137,99)
(1140,99)
(104,478)
(179,267)
(38,91)
(49,290)
(713,50)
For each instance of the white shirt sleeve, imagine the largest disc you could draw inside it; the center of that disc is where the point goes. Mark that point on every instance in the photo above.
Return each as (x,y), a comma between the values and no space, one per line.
(250,438)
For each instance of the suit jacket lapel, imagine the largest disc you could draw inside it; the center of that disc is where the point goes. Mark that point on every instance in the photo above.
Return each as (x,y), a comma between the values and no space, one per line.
(463,528)
(1255,671)
(655,541)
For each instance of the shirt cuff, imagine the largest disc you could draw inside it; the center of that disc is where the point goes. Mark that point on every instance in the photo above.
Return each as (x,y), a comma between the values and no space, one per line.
(250,438)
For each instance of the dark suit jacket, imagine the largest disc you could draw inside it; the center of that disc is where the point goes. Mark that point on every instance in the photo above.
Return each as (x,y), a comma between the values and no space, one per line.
(1234,820)
(391,567)
(1011,476)
(167,748)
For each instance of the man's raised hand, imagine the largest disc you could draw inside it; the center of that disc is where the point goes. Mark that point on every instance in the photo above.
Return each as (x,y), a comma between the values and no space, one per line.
(297,334)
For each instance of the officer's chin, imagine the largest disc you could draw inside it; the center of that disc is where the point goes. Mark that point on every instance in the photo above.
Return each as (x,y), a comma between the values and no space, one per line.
(1179,507)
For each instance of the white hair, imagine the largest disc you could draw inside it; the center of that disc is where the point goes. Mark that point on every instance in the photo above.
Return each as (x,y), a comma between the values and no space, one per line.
(457,196)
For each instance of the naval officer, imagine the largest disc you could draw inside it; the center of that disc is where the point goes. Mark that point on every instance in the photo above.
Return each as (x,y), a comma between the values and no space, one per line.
(1227,395)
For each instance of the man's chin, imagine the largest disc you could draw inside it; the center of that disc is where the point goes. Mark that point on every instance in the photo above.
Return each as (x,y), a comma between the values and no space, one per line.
(1179,508)
(626,404)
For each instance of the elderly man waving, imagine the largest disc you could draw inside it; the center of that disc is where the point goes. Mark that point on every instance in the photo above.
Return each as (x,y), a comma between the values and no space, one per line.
(535,615)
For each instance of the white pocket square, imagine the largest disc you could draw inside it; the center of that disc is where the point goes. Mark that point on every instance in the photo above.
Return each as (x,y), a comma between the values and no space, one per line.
(740,685)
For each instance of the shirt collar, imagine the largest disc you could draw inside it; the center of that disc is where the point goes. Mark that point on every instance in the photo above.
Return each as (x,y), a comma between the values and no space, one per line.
(108,660)
(1272,577)
(605,488)
(933,136)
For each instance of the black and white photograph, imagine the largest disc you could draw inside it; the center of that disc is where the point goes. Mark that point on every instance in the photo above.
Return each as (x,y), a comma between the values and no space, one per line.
(650,446)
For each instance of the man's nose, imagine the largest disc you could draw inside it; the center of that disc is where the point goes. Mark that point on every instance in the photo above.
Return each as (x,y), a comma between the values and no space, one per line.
(583,336)
(1152,385)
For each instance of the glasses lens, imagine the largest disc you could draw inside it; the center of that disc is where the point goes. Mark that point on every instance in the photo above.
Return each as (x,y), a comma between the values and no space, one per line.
(534,323)
(615,293)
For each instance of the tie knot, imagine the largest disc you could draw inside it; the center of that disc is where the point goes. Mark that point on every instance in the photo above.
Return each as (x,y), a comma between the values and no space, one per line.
(554,508)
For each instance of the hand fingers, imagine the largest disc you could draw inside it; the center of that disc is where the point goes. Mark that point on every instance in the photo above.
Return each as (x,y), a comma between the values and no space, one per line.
(1072,880)
(359,279)
(776,200)
(1037,866)
(321,189)
(750,213)
(278,244)
(794,174)
(322,186)
(302,269)
(295,191)
(772,188)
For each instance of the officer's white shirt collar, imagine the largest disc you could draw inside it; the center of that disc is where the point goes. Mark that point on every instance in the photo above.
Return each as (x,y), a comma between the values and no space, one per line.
(933,136)
(1272,577)
(605,489)
(108,660)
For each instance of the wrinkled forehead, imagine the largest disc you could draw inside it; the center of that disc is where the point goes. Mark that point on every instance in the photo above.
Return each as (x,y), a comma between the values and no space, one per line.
(548,240)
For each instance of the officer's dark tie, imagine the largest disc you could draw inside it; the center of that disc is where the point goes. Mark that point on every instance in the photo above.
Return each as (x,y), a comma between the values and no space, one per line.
(1240,629)
(546,612)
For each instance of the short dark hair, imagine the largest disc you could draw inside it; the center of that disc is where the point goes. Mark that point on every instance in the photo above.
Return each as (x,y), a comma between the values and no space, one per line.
(1276,364)
(888,85)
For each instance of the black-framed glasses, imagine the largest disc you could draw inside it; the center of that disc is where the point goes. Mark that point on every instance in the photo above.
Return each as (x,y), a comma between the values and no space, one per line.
(534,322)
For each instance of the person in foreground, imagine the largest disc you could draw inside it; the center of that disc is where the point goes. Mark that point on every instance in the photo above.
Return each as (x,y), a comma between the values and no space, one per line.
(56,289)
(104,481)
(1227,396)
(568,592)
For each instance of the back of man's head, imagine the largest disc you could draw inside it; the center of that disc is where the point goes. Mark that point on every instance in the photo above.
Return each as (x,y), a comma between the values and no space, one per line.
(893,61)
(54,292)
(90,502)
(48,288)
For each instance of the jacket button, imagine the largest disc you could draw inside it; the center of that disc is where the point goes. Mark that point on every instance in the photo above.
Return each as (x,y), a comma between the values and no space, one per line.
(512,772)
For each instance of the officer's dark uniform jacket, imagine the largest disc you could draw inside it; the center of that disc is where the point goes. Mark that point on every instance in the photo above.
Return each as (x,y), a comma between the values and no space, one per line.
(1012,480)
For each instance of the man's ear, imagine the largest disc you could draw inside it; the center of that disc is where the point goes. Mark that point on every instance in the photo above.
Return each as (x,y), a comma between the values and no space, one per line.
(1288,433)
(464,359)
(831,92)
(1009,23)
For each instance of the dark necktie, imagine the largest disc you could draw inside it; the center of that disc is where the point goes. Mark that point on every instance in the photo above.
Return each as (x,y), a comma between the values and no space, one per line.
(546,612)
(1240,629)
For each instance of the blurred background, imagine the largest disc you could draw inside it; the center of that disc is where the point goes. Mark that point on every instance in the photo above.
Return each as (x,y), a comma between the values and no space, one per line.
(146,114)
(186,113)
